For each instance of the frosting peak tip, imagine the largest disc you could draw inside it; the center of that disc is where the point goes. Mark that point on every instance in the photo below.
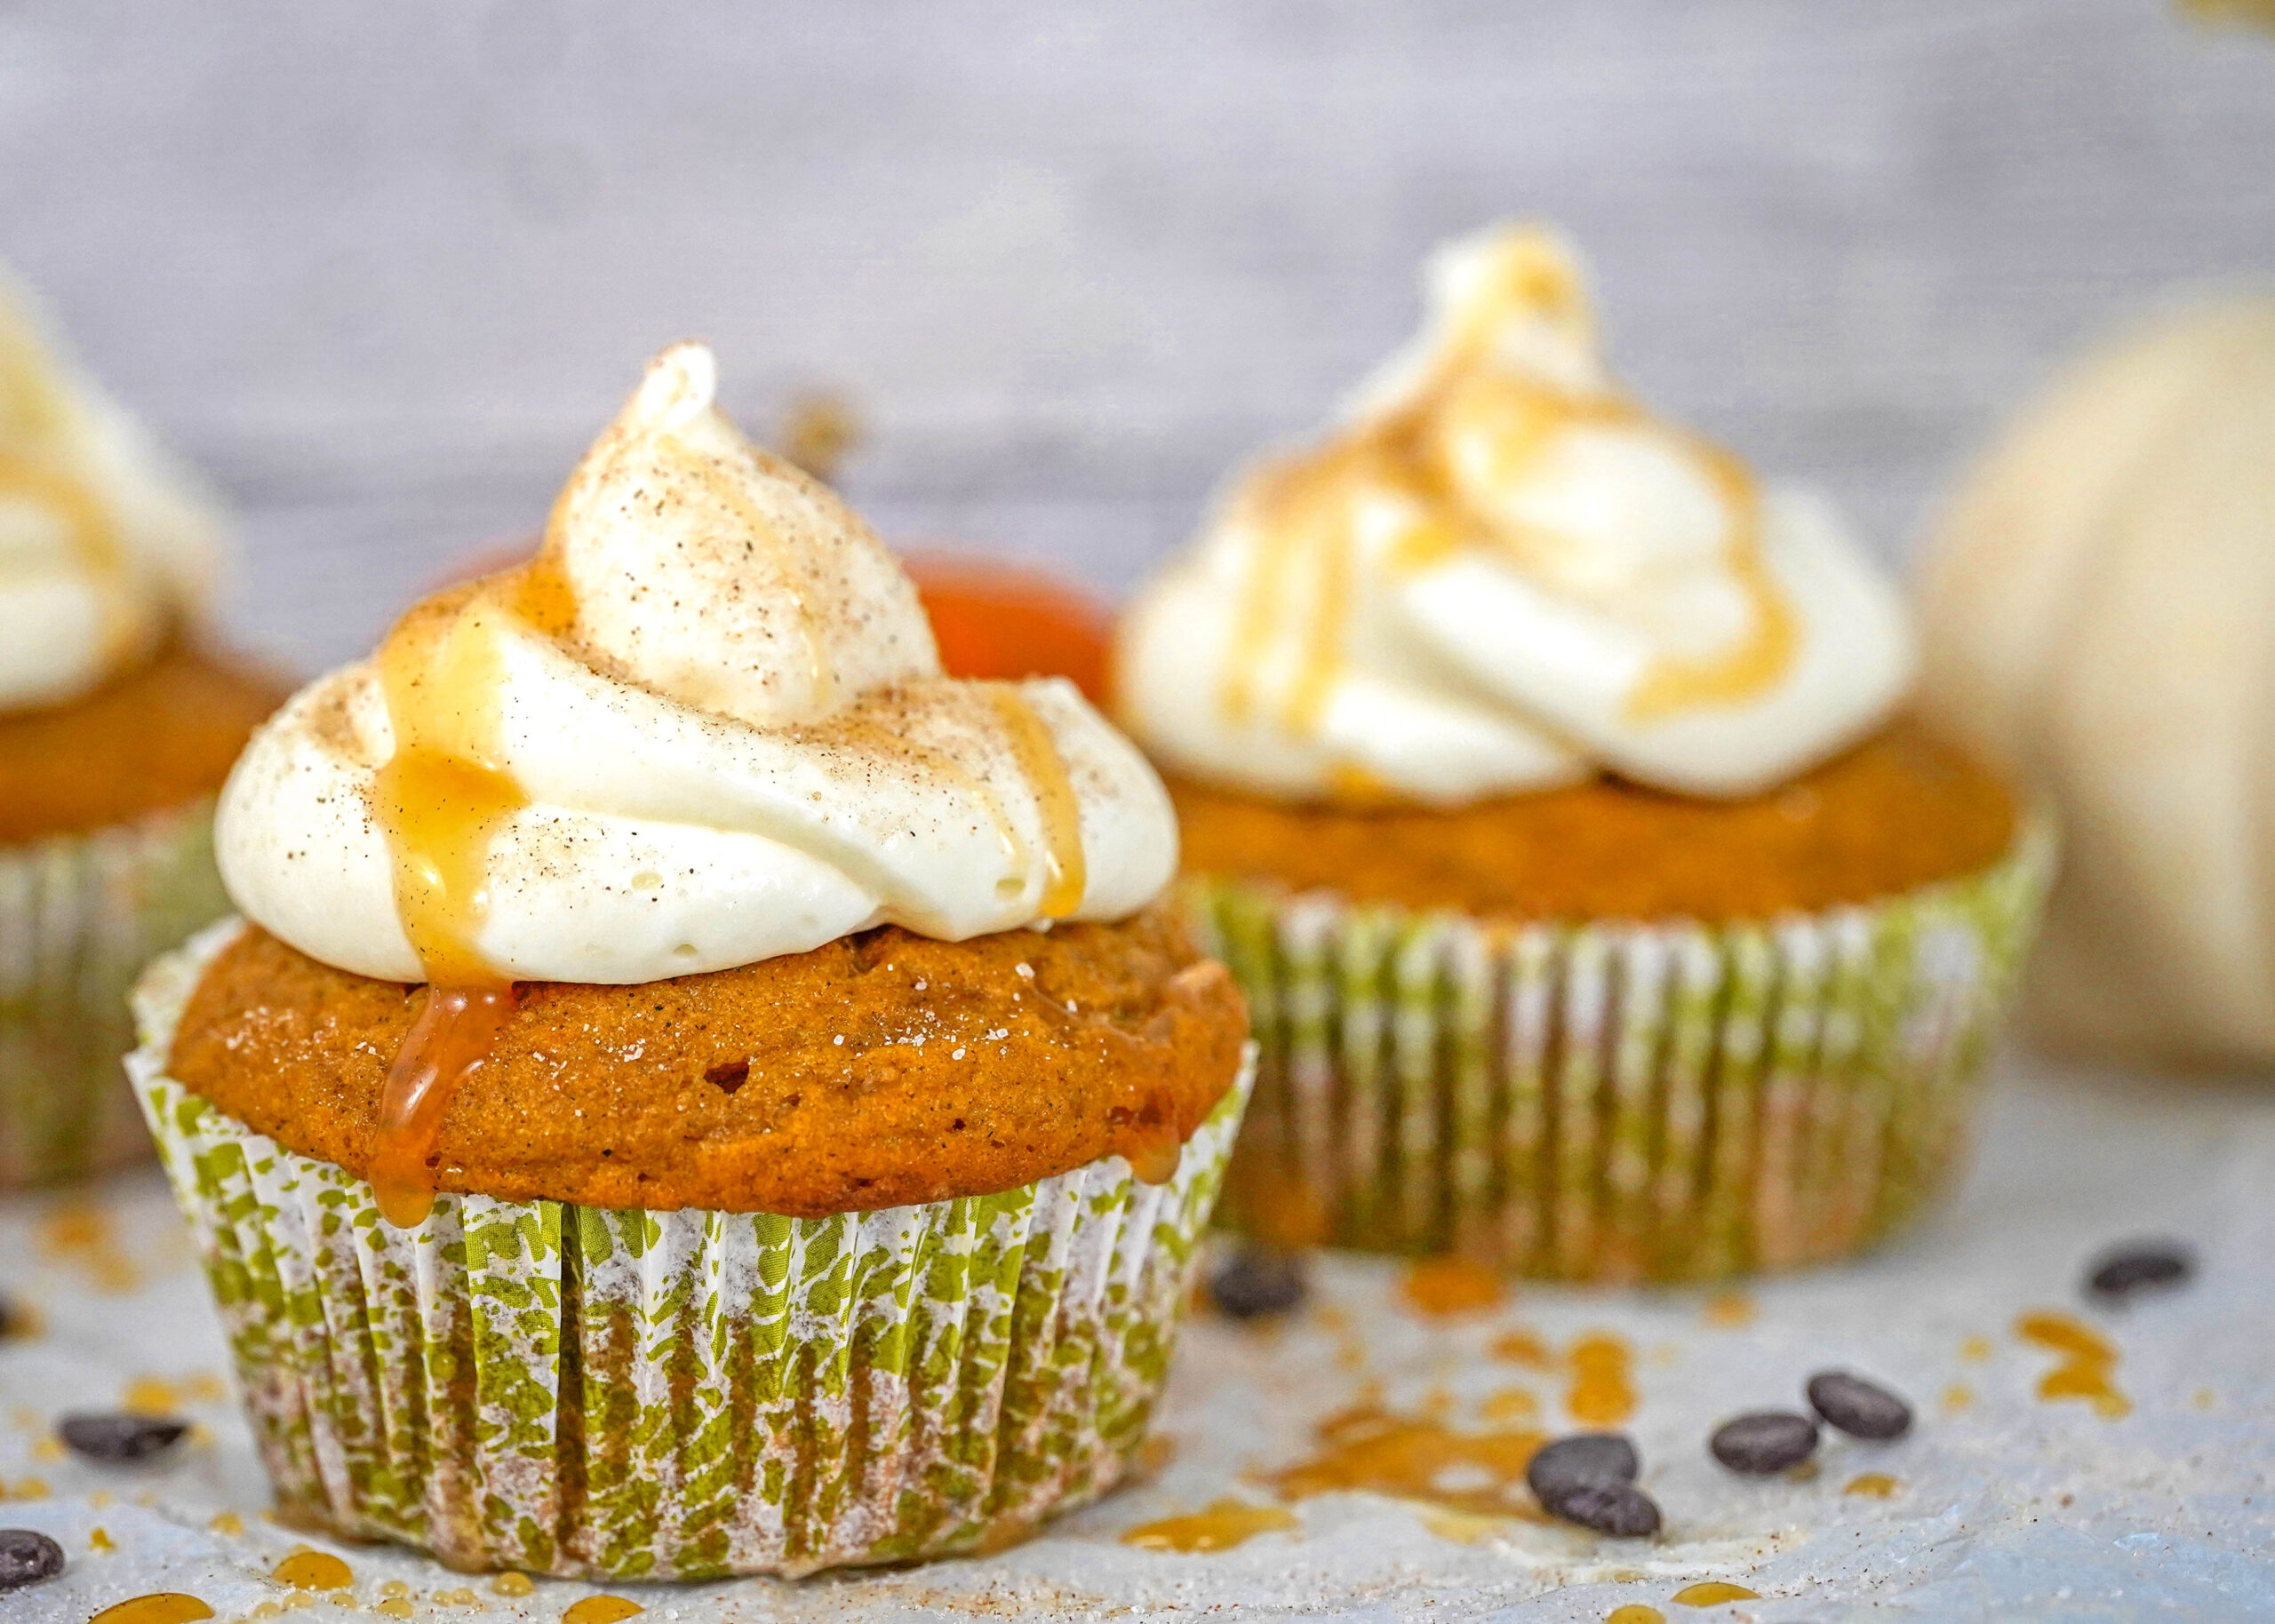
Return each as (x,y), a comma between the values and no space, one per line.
(681,384)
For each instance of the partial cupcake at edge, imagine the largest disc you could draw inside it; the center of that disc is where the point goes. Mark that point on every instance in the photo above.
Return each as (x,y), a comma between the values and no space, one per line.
(694,1091)
(118,721)
(1547,781)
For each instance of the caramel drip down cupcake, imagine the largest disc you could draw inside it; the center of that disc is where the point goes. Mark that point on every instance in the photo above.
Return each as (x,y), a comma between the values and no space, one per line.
(1545,778)
(696,1092)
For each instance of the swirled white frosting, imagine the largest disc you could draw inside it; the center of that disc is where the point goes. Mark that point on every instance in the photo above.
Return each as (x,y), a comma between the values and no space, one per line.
(104,542)
(719,723)
(1501,575)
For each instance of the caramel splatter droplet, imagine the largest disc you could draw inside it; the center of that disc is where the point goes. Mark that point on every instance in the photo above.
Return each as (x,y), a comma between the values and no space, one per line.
(2087,1361)
(394,1607)
(1522,1347)
(1440,1285)
(1958,1395)
(228,1523)
(314,1570)
(163,1607)
(1712,1593)
(1729,1309)
(1975,1349)
(1603,1384)
(1635,1612)
(101,1539)
(1220,1526)
(513,1584)
(1510,1404)
(148,1396)
(1875,1486)
(599,1609)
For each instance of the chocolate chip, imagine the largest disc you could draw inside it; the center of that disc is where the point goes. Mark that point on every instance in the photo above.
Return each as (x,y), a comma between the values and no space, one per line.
(1256,1281)
(26,1558)
(1620,1510)
(121,1438)
(1583,1457)
(1860,1408)
(2139,1267)
(1766,1441)
(729,1075)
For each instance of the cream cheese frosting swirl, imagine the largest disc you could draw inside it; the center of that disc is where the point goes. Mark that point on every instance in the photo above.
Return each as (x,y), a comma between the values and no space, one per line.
(1501,575)
(105,544)
(706,726)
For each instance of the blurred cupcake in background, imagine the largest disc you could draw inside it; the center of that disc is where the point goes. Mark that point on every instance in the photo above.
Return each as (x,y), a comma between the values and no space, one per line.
(701,1092)
(118,723)
(1548,784)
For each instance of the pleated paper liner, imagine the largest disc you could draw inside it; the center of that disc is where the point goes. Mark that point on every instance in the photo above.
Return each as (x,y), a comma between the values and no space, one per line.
(679,1395)
(80,916)
(1616,1102)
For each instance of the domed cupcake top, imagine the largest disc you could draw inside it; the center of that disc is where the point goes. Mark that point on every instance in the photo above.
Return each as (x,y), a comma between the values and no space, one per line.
(104,543)
(705,726)
(1503,574)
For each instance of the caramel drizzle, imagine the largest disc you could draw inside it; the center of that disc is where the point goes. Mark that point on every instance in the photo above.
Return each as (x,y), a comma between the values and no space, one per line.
(440,798)
(731,496)
(1065,873)
(1300,515)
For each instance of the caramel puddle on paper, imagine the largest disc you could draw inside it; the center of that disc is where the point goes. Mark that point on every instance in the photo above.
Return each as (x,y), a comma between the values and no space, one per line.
(314,1570)
(163,1607)
(1367,1450)
(1635,1612)
(1441,1287)
(2088,1361)
(1219,1526)
(1712,1593)
(601,1610)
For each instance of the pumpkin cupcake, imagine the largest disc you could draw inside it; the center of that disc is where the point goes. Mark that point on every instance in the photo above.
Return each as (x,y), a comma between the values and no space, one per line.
(696,1091)
(117,725)
(1547,784)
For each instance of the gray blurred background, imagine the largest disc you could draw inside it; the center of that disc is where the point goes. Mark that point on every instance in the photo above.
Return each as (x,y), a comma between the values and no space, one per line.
(384,269)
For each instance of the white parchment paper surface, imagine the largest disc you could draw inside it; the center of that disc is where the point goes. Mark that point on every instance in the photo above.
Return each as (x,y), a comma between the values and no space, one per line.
(2007,1506)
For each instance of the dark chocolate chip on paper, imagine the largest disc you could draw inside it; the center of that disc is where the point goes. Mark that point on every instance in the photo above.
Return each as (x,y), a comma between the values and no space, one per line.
(1256,1281)
(1860,1408)
(27,1557)
(121,1438)
(1765,1442)
(2141,1266)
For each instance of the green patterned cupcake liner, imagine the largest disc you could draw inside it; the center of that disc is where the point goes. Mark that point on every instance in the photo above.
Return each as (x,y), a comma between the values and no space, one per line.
(80,915)
(1616,1101)
(679,1395)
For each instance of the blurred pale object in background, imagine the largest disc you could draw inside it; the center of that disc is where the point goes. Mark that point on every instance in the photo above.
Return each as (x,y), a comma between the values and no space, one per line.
(2100,610)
